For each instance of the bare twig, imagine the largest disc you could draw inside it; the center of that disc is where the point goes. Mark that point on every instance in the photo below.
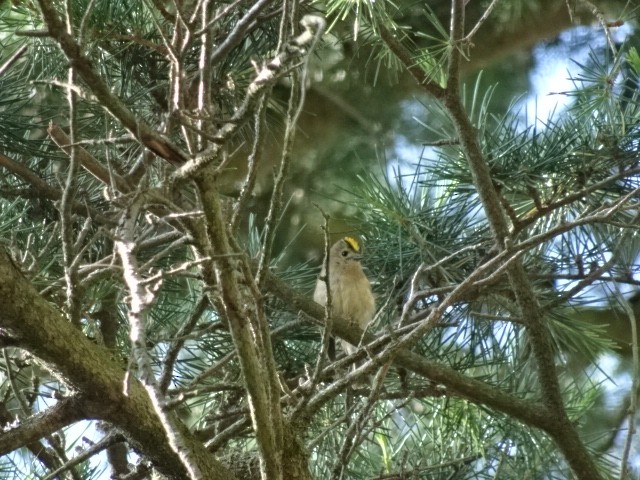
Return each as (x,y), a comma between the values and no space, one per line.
(205,71)
(17,394)
(108,441)
(223,12)
(635,384)
(326,331)
(479,23)
(66,220)
(172,354)
(414,294)
(354,434)
(88,161)
(605,25)
(13,59)
(253,163)
(238,32)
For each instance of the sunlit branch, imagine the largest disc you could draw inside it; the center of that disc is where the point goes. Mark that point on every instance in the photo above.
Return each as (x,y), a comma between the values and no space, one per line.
(68,193)
(141,298)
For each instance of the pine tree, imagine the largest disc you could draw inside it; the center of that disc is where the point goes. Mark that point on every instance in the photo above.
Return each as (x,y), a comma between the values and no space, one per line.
(148,296)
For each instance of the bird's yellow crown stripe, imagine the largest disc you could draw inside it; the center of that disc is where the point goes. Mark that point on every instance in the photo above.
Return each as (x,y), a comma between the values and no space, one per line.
(353,243)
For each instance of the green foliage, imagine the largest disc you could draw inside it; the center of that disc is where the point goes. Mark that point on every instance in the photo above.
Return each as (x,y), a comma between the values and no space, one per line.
(424,226)
(430,211)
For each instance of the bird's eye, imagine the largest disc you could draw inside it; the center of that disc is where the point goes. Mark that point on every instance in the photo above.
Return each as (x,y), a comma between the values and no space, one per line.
(345,253)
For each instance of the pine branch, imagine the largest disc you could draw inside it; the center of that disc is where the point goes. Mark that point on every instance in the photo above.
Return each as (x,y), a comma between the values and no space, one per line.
(562,431)
(88,161)
(107,442)
(242,313)
(64,413)
(155,142)
(475,391)
(91,370)
(37,448)
(48,192)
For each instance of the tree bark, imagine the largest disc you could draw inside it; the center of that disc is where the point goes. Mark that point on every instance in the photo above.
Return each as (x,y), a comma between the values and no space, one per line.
(92,370)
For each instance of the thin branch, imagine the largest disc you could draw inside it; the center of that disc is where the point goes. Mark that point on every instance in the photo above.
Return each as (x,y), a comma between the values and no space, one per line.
(635,385)
(172,354)
(17,394)
(38,449)
(44,190)
(205,72)
(414,294)
(577,276)
(68,193)
(232,431)
(406,58)
(253,163)
(219,16)
(456,33)
(208,372)
(479,23)
(315,377)
(161,7)
(237,34)
(108,441)
(64,413)
(296,103)
(354,434)
(13,59)
(605,25)
(88,161)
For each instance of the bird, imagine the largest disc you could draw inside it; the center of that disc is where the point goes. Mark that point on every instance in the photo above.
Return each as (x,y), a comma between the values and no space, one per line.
(351,296)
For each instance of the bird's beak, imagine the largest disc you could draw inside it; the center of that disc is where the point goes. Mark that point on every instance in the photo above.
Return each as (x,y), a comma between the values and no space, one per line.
(356,257)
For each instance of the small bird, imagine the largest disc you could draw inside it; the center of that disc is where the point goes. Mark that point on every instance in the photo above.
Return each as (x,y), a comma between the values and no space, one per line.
(351,296)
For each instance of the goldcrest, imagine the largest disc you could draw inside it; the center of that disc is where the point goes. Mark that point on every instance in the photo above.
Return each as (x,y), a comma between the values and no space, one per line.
(351,296)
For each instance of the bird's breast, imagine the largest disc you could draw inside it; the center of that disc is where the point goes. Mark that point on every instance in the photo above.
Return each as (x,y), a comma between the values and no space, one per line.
(351,297)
